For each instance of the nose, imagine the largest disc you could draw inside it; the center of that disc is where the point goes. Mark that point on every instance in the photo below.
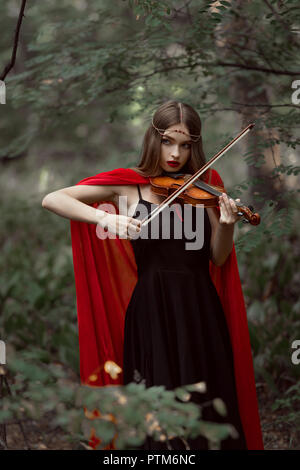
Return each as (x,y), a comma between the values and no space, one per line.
(175,151)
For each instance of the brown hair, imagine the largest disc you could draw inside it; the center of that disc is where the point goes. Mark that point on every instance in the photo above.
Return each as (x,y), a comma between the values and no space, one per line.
(167,115)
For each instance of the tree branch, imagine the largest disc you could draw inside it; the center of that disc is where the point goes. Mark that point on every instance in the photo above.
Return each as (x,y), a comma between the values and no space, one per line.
(259,69)
(259,105)
(14,52)
(223,64)
(275,13)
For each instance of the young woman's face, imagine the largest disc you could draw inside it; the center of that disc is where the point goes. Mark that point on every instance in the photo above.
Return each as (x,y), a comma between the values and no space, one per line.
(175,148)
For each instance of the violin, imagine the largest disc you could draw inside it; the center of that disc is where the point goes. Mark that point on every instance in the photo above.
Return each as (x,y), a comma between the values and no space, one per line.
(197,193)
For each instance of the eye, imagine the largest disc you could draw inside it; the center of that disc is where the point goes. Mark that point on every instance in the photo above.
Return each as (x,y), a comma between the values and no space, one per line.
(166,141)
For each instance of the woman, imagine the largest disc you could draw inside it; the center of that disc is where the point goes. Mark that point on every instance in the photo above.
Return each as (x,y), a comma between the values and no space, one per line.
(167,314)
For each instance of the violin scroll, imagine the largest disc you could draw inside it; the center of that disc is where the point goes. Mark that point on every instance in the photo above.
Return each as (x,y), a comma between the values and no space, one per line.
(249,217)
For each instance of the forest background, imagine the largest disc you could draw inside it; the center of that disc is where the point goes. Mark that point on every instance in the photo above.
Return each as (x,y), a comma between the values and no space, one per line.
(86,80)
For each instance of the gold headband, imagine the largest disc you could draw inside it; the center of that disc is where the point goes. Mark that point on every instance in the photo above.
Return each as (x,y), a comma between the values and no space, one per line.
(161,131)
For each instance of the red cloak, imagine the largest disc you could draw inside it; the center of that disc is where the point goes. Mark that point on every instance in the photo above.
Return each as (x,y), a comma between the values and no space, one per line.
(105,276)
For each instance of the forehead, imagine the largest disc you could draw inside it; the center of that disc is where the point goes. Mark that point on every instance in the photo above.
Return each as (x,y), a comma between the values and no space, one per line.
(176,136)
(182,136)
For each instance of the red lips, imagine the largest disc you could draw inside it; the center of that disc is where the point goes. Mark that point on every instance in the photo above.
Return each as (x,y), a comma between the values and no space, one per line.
(172,163)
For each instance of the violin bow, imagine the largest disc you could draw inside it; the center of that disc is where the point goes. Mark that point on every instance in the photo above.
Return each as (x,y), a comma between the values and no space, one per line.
(194,177)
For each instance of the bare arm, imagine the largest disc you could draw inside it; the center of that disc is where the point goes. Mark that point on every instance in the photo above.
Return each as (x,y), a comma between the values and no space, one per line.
(72,202)
(222,229)
(221,240)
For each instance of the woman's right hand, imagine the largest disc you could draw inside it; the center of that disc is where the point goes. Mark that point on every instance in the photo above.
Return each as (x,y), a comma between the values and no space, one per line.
(121,225)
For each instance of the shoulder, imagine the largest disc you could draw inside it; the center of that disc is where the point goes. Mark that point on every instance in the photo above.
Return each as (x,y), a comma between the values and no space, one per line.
(118,176)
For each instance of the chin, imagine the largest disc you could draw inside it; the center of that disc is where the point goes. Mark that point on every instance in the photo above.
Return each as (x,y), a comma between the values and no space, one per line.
(172,169)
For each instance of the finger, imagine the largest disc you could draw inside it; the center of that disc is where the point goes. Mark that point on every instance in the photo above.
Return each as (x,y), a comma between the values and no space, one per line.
(225,206)
(236,203)
(230,204)
(137,226)
(135,221)
(233,206)
(239,213)
(133,230)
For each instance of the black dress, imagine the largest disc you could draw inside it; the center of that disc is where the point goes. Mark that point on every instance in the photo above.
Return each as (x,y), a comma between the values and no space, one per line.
(175,329)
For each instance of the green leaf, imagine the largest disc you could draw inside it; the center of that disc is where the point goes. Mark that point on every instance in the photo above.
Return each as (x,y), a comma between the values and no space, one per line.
(219,406)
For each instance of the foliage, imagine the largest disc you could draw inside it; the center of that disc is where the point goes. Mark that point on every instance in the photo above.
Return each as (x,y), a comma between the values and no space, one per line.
(125,414)
(37,292)
(127,62)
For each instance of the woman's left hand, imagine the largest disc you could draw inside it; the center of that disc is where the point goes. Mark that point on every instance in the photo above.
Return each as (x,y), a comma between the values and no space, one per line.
(228,210)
